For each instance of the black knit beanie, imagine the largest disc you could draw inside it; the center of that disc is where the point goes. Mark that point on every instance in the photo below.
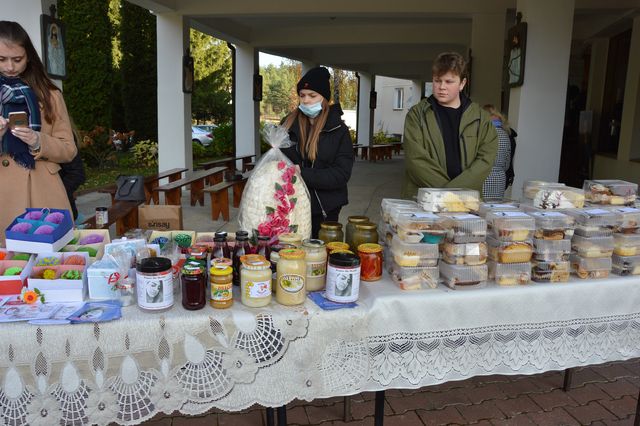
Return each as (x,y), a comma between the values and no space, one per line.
(316,79)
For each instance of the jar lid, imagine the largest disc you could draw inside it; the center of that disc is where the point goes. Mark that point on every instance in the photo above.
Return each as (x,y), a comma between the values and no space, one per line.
(313,243)
(370,248)
(263,238)
(219,262)
(277,247)
(219,239)
(290,236)
(101,209)
(221,234)
(337,245)
(358,219)
(192,269)
(292,253)
(255,262)
(220,270)
(198,251)
(242,233)
(154,264)
(366,225)
(341,251)
(344,259)
(331,225)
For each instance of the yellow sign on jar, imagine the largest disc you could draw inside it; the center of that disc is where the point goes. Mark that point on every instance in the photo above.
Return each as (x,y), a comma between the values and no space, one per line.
(290,275)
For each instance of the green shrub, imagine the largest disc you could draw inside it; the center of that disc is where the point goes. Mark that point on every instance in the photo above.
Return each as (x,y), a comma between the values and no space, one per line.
(146,153)
(352,133)
(96,148)
(380,138)
(222,140)
(199,151)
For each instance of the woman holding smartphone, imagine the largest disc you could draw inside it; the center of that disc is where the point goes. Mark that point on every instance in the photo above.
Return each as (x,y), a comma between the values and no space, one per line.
(34,129)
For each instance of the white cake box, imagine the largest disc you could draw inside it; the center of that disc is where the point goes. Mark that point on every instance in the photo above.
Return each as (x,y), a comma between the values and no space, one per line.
(60,289)
(102,277)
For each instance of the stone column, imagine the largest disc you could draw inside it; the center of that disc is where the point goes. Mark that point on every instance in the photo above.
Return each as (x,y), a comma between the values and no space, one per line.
(365,115)
(247,111)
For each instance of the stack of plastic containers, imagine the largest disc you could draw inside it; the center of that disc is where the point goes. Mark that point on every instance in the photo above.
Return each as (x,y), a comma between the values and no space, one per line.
(387,207)
(551,246)
(551,195)
(501,206)
(610,192)
(593,242)
(626,252)
(510,246)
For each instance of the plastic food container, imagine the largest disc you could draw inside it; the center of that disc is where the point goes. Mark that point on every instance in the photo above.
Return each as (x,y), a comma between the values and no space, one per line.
(584,267)
(497,206)
(401,210)
(551,250)
(554,272)
(626,244)
(464,227)
(421,228)
(592,246)
(465,254)
(460,277)
(509,251)
(510,273)
(438,200)
(547,195)
(408,278)
(625,265)
(412,255)
(387,203)
(628,219)
(511,226)
(530,188)
(594,222)
(610,191)
(551,225)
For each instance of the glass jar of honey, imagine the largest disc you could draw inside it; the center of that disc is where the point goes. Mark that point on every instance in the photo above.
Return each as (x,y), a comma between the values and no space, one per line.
(351,227)
(291,274)
(331,231)
(336,245)
(370,261)
(221,280)
(255,281)
(366,232)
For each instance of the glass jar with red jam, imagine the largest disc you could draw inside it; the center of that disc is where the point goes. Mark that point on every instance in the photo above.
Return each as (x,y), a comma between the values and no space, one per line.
(193,286)
(370,261)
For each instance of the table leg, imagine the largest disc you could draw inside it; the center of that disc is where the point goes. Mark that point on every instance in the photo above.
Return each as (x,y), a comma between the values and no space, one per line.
(282,415)
(568,375)
(270,417)
(379,410)
(346,415)
(636,420)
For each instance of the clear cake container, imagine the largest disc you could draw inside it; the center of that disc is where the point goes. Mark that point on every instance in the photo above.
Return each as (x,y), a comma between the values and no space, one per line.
(509,251)
(594,222)
(510,273)
(550,272)
(626,244)
(414,278)
(464,227)
(387,203)
(385,233)
(625,265)
(530,188)
(438,200)
(552,225)
(551,250)
(590,267)
(460,277)
(412,255)
(592,246)
(465,254)
(610,191)
(628,219)
(511,225)
(421,228)
(486,207)
(557,196)
(400,210)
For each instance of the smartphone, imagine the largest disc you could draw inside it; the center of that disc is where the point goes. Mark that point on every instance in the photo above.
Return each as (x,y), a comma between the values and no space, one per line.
(18,119)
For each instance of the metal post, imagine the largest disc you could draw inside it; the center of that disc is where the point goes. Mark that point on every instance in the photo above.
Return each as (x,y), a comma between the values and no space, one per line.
(568,375)
(282,415)
(636,420)
(270,417)
(379,411)
(346,415)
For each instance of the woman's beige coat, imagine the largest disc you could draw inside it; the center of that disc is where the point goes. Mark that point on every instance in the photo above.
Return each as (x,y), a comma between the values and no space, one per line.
(41,187)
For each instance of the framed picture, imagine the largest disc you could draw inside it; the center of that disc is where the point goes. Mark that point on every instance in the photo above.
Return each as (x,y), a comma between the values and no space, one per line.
(516,48)
(187,74)
(53,42)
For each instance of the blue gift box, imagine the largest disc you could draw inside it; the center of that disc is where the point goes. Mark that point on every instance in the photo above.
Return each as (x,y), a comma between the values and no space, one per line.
(32,243)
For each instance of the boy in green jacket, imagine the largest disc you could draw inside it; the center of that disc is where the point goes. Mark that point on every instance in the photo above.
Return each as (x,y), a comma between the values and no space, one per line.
(449,141)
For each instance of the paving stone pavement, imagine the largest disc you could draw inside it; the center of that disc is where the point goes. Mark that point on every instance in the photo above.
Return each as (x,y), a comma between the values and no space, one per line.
(600,395)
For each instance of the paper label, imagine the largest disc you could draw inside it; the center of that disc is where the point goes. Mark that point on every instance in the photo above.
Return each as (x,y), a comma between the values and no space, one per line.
(291,283)
(316,269)
(155,291)
(628,210)
(511,214)
(257,289)
(472,249)
(221,292)
(549,214)
(596,212)
(464,216)
(425,215)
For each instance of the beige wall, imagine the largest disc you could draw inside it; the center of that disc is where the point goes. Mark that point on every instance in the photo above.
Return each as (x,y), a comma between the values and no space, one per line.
(388,119)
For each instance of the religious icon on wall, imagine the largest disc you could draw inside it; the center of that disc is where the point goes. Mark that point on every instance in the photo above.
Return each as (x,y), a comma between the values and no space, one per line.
(516,48)
(53,41)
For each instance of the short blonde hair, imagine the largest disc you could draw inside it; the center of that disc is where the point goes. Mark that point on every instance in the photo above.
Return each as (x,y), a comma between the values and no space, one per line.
(503,118)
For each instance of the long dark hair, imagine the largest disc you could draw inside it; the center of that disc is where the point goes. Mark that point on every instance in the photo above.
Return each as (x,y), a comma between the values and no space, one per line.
(34,75)
(309,135)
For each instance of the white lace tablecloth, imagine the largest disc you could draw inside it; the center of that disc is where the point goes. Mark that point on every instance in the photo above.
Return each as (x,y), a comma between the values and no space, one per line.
(128,370)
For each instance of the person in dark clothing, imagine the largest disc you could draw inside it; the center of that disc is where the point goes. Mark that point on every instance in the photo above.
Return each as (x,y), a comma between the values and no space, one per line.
(72,175)
(322,147)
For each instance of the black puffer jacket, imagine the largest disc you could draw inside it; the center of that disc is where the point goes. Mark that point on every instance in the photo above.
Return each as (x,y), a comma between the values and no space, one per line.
(328,175)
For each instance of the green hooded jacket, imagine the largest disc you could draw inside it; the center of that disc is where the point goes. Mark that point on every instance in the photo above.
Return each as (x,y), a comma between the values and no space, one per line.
(424,152)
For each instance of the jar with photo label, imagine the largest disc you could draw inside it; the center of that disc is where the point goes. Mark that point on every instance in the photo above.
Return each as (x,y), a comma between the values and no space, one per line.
(154,284)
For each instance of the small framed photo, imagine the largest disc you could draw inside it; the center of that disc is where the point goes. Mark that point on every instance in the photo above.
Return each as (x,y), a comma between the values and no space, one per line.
(53,43)
(516,48)
(187,74)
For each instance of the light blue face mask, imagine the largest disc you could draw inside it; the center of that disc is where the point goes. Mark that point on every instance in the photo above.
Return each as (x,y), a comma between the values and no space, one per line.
(312,110)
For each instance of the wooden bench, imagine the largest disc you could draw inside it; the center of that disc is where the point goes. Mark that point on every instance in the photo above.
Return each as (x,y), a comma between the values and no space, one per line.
(195,180)
(228,162)
(380,152)
(123,213)
(220,196)
(150,183)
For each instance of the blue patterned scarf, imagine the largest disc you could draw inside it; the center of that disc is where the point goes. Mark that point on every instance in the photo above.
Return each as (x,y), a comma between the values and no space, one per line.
(15,95)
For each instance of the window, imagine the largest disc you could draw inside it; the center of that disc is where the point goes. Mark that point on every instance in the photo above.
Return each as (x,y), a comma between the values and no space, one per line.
(398,98)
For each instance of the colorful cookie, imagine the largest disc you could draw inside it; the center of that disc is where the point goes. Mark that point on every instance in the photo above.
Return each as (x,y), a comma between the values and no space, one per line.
(74,259)
(71,274)
(14,270)
(22,227)
(48,261)
(55,217)
(44,230)
(49,274)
